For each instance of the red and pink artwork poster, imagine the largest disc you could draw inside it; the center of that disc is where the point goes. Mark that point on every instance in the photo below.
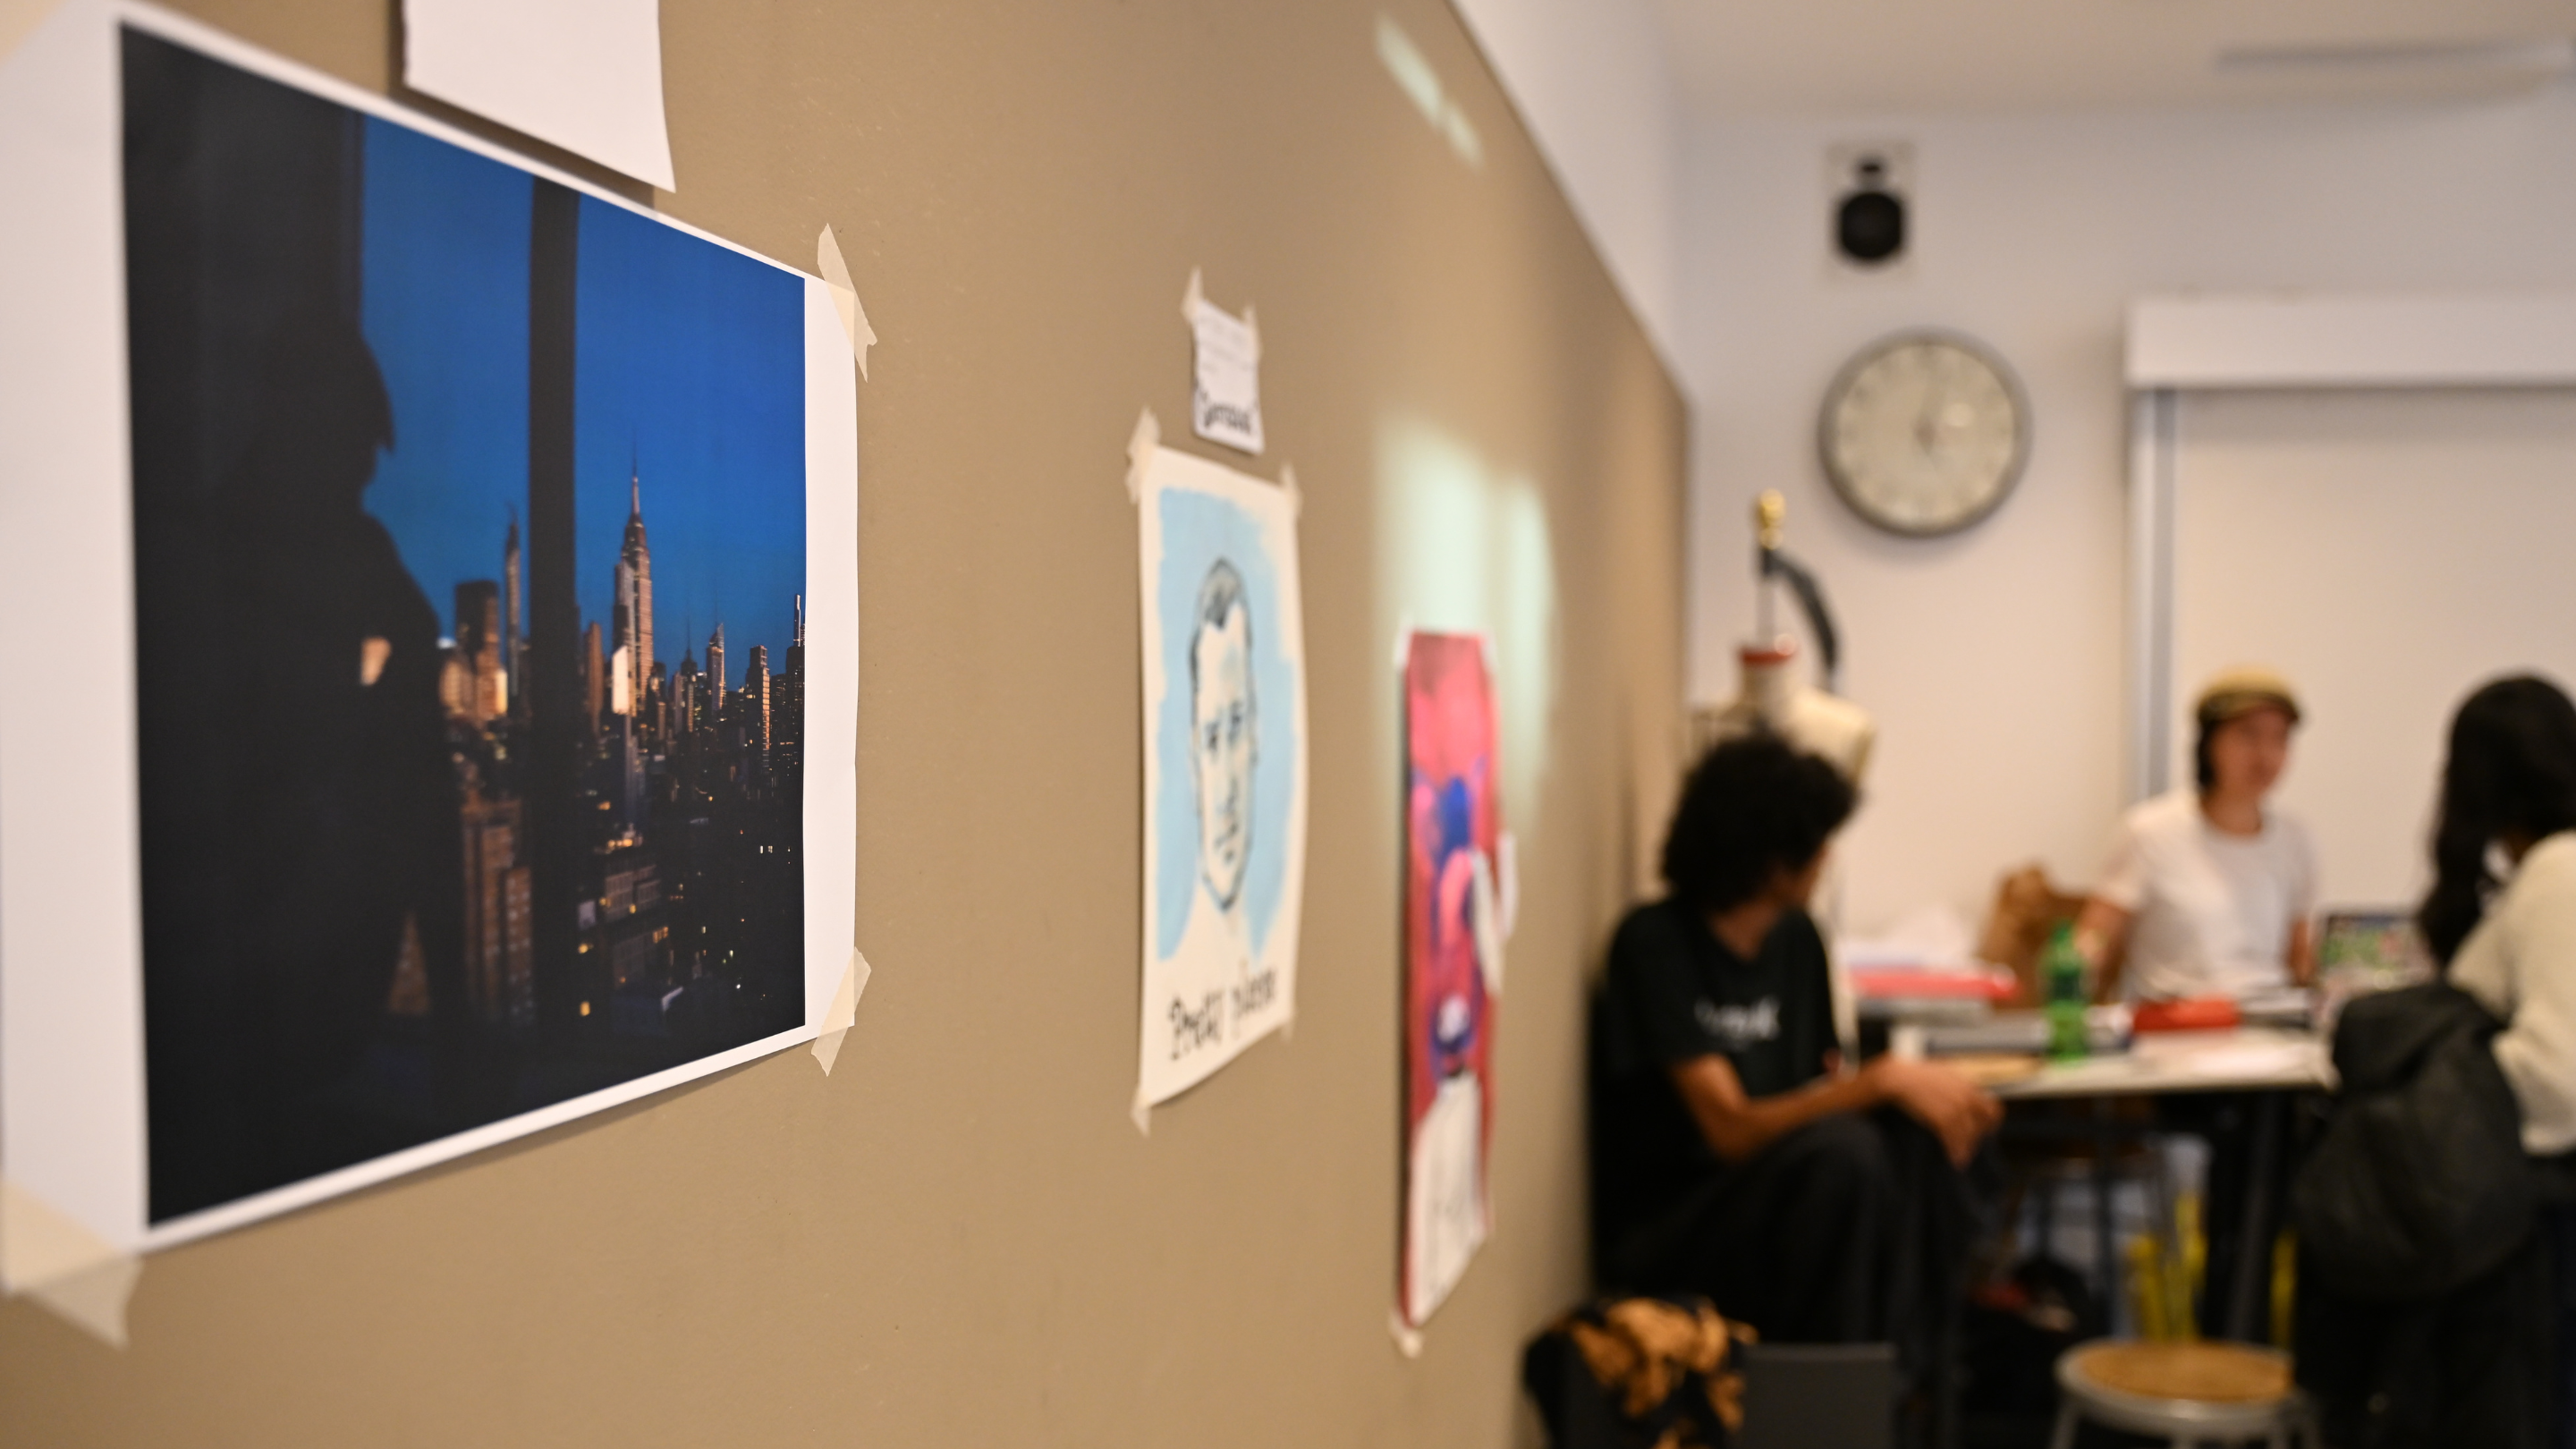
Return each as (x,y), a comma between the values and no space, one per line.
(1452,960)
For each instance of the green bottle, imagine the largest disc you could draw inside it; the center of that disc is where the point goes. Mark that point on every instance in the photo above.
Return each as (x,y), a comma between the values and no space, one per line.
(2062,973)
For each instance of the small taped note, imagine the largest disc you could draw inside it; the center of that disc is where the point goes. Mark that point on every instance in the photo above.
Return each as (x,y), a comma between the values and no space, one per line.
(843,1013)
(845,298)
(1408,1339)
(1225,396)
(1140,453)
(50,1258)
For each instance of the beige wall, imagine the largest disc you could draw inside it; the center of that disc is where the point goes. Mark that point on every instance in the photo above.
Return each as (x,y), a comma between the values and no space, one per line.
(960,1237)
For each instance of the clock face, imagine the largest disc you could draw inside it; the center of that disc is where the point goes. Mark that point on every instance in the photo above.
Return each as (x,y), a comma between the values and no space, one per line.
(1924,433)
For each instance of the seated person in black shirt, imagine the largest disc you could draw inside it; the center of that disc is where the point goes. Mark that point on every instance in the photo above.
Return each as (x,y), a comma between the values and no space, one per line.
(1732,1154)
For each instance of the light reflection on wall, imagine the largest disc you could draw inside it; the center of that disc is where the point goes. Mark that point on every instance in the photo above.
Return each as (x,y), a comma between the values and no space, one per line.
(1421,85)
(1463,546)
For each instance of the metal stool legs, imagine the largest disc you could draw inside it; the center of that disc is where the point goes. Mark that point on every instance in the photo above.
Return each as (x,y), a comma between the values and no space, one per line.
(2298,1425)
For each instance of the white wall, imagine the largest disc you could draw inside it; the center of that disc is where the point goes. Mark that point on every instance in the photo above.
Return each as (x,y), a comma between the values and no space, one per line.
(2390,551)
(1591,83)
(1994,659)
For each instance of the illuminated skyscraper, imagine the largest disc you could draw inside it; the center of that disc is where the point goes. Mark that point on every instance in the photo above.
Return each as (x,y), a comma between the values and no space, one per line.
(714,713)
(790,704)
(634,616)
(510,617)
(500,974)
(479,692)
(755,693)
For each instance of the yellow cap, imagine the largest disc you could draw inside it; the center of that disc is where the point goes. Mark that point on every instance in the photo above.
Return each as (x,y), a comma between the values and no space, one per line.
(2239,691)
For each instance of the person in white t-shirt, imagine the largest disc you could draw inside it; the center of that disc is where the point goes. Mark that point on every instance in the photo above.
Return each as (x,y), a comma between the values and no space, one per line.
(2209,889)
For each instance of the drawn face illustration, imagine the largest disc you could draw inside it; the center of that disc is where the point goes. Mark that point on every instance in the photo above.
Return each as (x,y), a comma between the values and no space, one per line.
(1222,733)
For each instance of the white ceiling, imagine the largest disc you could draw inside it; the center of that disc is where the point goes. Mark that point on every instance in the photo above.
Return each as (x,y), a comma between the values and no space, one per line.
(1740,57)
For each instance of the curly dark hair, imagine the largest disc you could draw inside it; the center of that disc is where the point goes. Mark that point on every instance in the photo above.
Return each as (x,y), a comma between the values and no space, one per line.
(1753,806)
(2511,770)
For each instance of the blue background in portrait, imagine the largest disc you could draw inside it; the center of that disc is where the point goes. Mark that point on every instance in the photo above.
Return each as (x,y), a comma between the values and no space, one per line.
(689,360)
(1198,529)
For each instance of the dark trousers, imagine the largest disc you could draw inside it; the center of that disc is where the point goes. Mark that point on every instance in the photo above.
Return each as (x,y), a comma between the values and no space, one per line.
(2225,1121)
(1852,1229)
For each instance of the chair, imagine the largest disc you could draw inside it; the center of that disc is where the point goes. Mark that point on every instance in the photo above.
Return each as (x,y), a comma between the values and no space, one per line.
(2187,1392)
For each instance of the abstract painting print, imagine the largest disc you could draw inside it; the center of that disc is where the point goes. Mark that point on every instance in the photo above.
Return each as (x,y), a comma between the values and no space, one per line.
(1453,943)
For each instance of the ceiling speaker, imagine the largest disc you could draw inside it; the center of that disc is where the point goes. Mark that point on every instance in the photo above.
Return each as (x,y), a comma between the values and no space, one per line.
(1871,216)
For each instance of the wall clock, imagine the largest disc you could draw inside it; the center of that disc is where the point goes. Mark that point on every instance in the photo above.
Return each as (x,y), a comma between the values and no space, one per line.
(1925,432)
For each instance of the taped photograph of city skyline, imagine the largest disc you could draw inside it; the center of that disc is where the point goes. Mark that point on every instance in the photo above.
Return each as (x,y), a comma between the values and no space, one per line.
(469,521)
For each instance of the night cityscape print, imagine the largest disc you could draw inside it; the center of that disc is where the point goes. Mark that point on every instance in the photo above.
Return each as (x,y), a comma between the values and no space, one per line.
(470,634)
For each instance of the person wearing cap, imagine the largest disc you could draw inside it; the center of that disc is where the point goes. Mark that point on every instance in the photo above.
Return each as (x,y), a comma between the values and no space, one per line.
(2209,888)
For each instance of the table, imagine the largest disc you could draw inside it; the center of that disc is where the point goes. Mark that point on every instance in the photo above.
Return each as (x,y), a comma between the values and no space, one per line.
(2273,1062)
(2241,1059)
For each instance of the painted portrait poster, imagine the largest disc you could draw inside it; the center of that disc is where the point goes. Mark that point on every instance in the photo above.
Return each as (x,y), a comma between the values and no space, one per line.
(492,666)
(1225,766)
(1453,941)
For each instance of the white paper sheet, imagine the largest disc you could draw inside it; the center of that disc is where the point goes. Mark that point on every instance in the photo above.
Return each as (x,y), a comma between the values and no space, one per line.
(1225,396)
(1225,767)
(1445,1209)
(72,981)
(583,74)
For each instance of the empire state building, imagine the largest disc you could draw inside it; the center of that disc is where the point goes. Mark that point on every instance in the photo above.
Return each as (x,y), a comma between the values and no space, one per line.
(633,624)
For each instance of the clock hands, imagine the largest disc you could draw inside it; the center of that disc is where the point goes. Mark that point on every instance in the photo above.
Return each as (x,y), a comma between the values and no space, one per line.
(1929,420)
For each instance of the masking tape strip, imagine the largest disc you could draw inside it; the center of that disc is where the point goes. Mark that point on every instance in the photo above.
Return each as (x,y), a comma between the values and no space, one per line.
(19,19)
(47,1256)
(1141,1112)
(1194,297)
(845,299)
(843,1012)
(1408,1339)
(1288,485)
(1140,453)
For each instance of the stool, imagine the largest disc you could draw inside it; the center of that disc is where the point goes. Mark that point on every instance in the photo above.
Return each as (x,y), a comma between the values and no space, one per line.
(2187,1392)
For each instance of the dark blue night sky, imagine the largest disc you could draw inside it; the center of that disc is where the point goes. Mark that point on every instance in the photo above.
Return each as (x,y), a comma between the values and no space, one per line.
(690,362)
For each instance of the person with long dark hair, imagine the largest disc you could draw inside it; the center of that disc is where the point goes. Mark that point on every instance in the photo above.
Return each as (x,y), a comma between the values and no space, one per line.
(2508,937)
(2501,918)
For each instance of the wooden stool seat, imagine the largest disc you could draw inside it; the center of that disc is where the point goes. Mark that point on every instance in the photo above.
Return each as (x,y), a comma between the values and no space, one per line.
(2209,1373)
(2187,1392)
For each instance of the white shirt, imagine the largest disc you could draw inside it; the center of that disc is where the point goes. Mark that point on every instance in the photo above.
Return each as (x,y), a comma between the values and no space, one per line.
(2520,963)
(2211,911)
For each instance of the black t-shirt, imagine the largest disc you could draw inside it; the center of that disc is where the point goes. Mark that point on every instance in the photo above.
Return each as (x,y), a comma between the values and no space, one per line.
(1675,992)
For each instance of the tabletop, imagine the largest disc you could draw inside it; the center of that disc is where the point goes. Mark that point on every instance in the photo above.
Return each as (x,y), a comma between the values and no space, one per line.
(2241,1059)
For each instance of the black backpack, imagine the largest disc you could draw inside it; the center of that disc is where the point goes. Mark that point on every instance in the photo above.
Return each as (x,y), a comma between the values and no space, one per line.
(2419,1184)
